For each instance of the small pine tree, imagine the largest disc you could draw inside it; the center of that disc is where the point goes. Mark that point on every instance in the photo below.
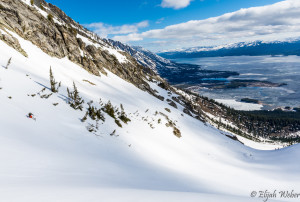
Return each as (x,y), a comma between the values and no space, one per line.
(50,17)
(108,108)
(53,83)
(85,117)
(75,100)
(32,2)
(99,115)
(113,133)
(8,63)
(118,123)
(123,117)
(94,113)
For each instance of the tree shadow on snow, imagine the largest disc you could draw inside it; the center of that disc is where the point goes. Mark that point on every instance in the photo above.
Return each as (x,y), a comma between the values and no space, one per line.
(61,96)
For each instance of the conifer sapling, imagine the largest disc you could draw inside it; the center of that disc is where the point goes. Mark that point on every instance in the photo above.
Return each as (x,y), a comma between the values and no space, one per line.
(53,83)
(75,100)
(8,63)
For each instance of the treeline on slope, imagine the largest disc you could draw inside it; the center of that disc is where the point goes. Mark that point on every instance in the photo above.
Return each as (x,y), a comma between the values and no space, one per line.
(275,125)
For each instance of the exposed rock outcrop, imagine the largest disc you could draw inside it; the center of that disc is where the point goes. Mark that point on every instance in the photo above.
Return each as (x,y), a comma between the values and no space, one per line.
(12,41)
(59,38)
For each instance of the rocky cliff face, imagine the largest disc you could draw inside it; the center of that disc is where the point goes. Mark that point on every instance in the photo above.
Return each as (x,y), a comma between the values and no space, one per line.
(49,28)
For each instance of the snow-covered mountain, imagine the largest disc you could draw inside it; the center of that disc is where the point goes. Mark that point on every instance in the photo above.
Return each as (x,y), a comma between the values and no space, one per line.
(290,47)
(144,57)
(161,62)
(106,128)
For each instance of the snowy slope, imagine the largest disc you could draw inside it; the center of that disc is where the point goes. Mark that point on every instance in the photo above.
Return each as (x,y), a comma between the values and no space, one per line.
(55,158)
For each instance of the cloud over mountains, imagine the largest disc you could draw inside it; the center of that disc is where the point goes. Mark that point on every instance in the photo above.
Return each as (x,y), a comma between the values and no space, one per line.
(176,4)
(104,30)
(274,21)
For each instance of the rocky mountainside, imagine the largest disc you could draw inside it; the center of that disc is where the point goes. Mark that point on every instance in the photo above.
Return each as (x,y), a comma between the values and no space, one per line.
(49,28)
(255,48)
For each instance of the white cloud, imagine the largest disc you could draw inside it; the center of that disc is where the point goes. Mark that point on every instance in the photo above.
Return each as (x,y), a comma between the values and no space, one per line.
(176,4)
(274,21)
(159,20)
(104,30)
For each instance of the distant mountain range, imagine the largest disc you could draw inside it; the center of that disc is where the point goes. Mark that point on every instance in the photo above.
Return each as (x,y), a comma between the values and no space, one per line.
(243,48)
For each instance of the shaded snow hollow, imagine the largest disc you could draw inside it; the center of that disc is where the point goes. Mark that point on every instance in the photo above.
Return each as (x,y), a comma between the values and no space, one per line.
(55,158)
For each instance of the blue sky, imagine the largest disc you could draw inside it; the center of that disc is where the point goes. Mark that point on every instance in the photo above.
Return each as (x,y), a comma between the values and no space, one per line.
(130,21)
(119,12)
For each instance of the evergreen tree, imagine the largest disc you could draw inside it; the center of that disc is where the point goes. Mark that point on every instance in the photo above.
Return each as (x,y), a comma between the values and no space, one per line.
(109,109)
(75,100)
(94,113)
(53,83)
(8,63)
(85,117)
(123,117)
